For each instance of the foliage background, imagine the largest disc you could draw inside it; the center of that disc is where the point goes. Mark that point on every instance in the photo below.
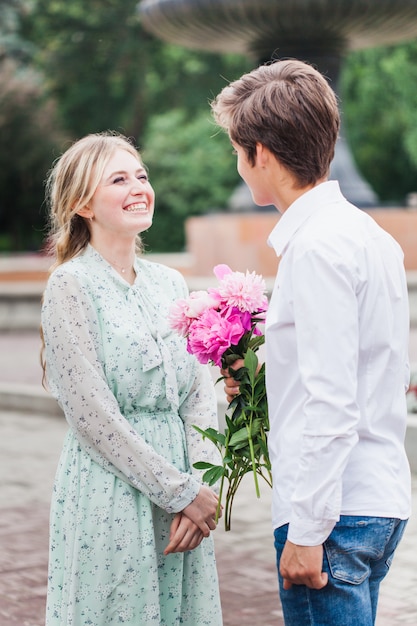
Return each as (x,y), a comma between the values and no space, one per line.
(71,68)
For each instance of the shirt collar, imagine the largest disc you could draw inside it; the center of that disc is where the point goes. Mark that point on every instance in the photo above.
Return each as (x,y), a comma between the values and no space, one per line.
(299,212)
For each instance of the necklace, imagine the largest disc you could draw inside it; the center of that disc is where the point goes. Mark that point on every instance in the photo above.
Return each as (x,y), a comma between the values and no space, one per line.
(122,270)
(118,267)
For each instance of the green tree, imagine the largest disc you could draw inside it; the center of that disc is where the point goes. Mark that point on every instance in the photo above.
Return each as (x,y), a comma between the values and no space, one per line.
(91,53)
(29,138)
(29,141)
(191,171)
(379,101)
(12,45)
(106,72)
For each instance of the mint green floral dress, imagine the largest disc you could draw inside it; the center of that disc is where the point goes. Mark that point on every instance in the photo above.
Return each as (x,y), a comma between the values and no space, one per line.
(131,394)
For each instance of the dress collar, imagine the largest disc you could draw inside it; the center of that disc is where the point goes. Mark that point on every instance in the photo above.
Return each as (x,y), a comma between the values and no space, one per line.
(91,252)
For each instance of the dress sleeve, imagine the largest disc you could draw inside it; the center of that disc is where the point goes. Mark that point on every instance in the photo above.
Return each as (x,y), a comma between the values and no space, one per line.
(200,409)
(76,379)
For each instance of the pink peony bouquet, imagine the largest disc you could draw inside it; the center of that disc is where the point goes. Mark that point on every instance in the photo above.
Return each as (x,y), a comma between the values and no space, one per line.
(221,326)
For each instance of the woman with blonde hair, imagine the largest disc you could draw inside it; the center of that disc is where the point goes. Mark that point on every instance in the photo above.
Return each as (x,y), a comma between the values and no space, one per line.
(130,531)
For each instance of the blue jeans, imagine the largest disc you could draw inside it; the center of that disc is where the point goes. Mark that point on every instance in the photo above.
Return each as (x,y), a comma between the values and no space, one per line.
(356,556)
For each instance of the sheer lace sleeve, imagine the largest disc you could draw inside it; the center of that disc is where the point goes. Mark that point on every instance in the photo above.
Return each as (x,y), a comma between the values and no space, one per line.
(76,379)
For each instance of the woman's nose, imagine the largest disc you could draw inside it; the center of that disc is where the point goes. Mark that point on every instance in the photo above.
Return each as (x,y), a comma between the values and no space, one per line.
(137,188)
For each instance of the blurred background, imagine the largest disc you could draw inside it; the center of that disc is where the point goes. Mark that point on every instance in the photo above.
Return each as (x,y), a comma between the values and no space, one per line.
(72,68)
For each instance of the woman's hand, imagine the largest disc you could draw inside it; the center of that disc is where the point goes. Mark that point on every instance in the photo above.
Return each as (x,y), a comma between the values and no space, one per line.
(202,510)
(184,535)
(231,386)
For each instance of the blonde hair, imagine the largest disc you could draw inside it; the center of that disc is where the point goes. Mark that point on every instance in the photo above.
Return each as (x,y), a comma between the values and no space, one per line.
(290,108)
(71,184)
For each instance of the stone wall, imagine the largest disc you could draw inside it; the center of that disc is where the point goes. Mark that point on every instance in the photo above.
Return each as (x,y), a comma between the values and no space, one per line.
(239,239)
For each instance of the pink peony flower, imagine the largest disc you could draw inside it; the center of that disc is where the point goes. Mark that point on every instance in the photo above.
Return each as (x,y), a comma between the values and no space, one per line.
(212,334)
(217,319)
(244,291)
(184,310)
(178,318)
(220,271)
(199,301)
(235,316)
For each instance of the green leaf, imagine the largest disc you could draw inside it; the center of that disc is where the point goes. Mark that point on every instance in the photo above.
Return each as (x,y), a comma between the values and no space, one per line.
(238,417)
(212,434)
(256,342)
(214,474)
(239,374)
(264,450)
(251,363)
(239,437)
(229,422)
(200,465)
(229,359)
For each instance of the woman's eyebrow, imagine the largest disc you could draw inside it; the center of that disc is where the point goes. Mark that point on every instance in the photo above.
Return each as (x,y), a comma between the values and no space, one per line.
(124,173)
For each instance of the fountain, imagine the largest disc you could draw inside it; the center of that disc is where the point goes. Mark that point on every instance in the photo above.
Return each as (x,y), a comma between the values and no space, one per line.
(321,32)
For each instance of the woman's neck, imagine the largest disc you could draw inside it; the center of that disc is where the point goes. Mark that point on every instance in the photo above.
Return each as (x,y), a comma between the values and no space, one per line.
(121,258)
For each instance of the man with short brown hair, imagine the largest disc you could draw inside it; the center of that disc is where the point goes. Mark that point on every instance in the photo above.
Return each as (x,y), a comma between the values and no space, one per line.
(336,353)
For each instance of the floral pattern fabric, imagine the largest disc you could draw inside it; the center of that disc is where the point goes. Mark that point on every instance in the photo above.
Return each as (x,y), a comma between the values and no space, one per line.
(131,394)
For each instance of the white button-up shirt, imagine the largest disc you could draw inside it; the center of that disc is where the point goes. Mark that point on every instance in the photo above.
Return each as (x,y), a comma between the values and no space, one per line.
(336,368)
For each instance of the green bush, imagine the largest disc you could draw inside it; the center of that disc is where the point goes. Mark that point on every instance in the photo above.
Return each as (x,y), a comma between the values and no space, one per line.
(192,170)
(29,142)
(379,102)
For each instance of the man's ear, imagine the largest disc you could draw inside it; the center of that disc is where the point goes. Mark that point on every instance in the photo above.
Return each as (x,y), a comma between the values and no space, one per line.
(262,154)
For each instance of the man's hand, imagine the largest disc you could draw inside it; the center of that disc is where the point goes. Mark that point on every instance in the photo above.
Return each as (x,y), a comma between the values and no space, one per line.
(302,565)
(184,535)
(202,510)
(231,386)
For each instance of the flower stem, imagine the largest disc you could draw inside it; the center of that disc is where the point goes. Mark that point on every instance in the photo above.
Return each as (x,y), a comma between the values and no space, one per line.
(252,457)
(225,474)
(230,496)
(219,502)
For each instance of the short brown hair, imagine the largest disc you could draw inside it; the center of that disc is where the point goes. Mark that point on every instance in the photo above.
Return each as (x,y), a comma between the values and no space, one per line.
(290,108)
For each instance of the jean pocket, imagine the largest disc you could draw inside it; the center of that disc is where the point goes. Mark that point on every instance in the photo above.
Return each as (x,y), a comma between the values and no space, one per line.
(353,544)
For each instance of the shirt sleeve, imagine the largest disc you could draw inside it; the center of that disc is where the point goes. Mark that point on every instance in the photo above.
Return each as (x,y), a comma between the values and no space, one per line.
(76,378)
(327,327)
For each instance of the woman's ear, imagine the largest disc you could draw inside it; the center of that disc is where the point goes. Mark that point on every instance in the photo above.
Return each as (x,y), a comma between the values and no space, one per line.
(86,212)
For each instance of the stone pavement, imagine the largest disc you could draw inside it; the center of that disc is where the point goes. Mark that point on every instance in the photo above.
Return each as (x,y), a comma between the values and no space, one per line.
(30,444)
